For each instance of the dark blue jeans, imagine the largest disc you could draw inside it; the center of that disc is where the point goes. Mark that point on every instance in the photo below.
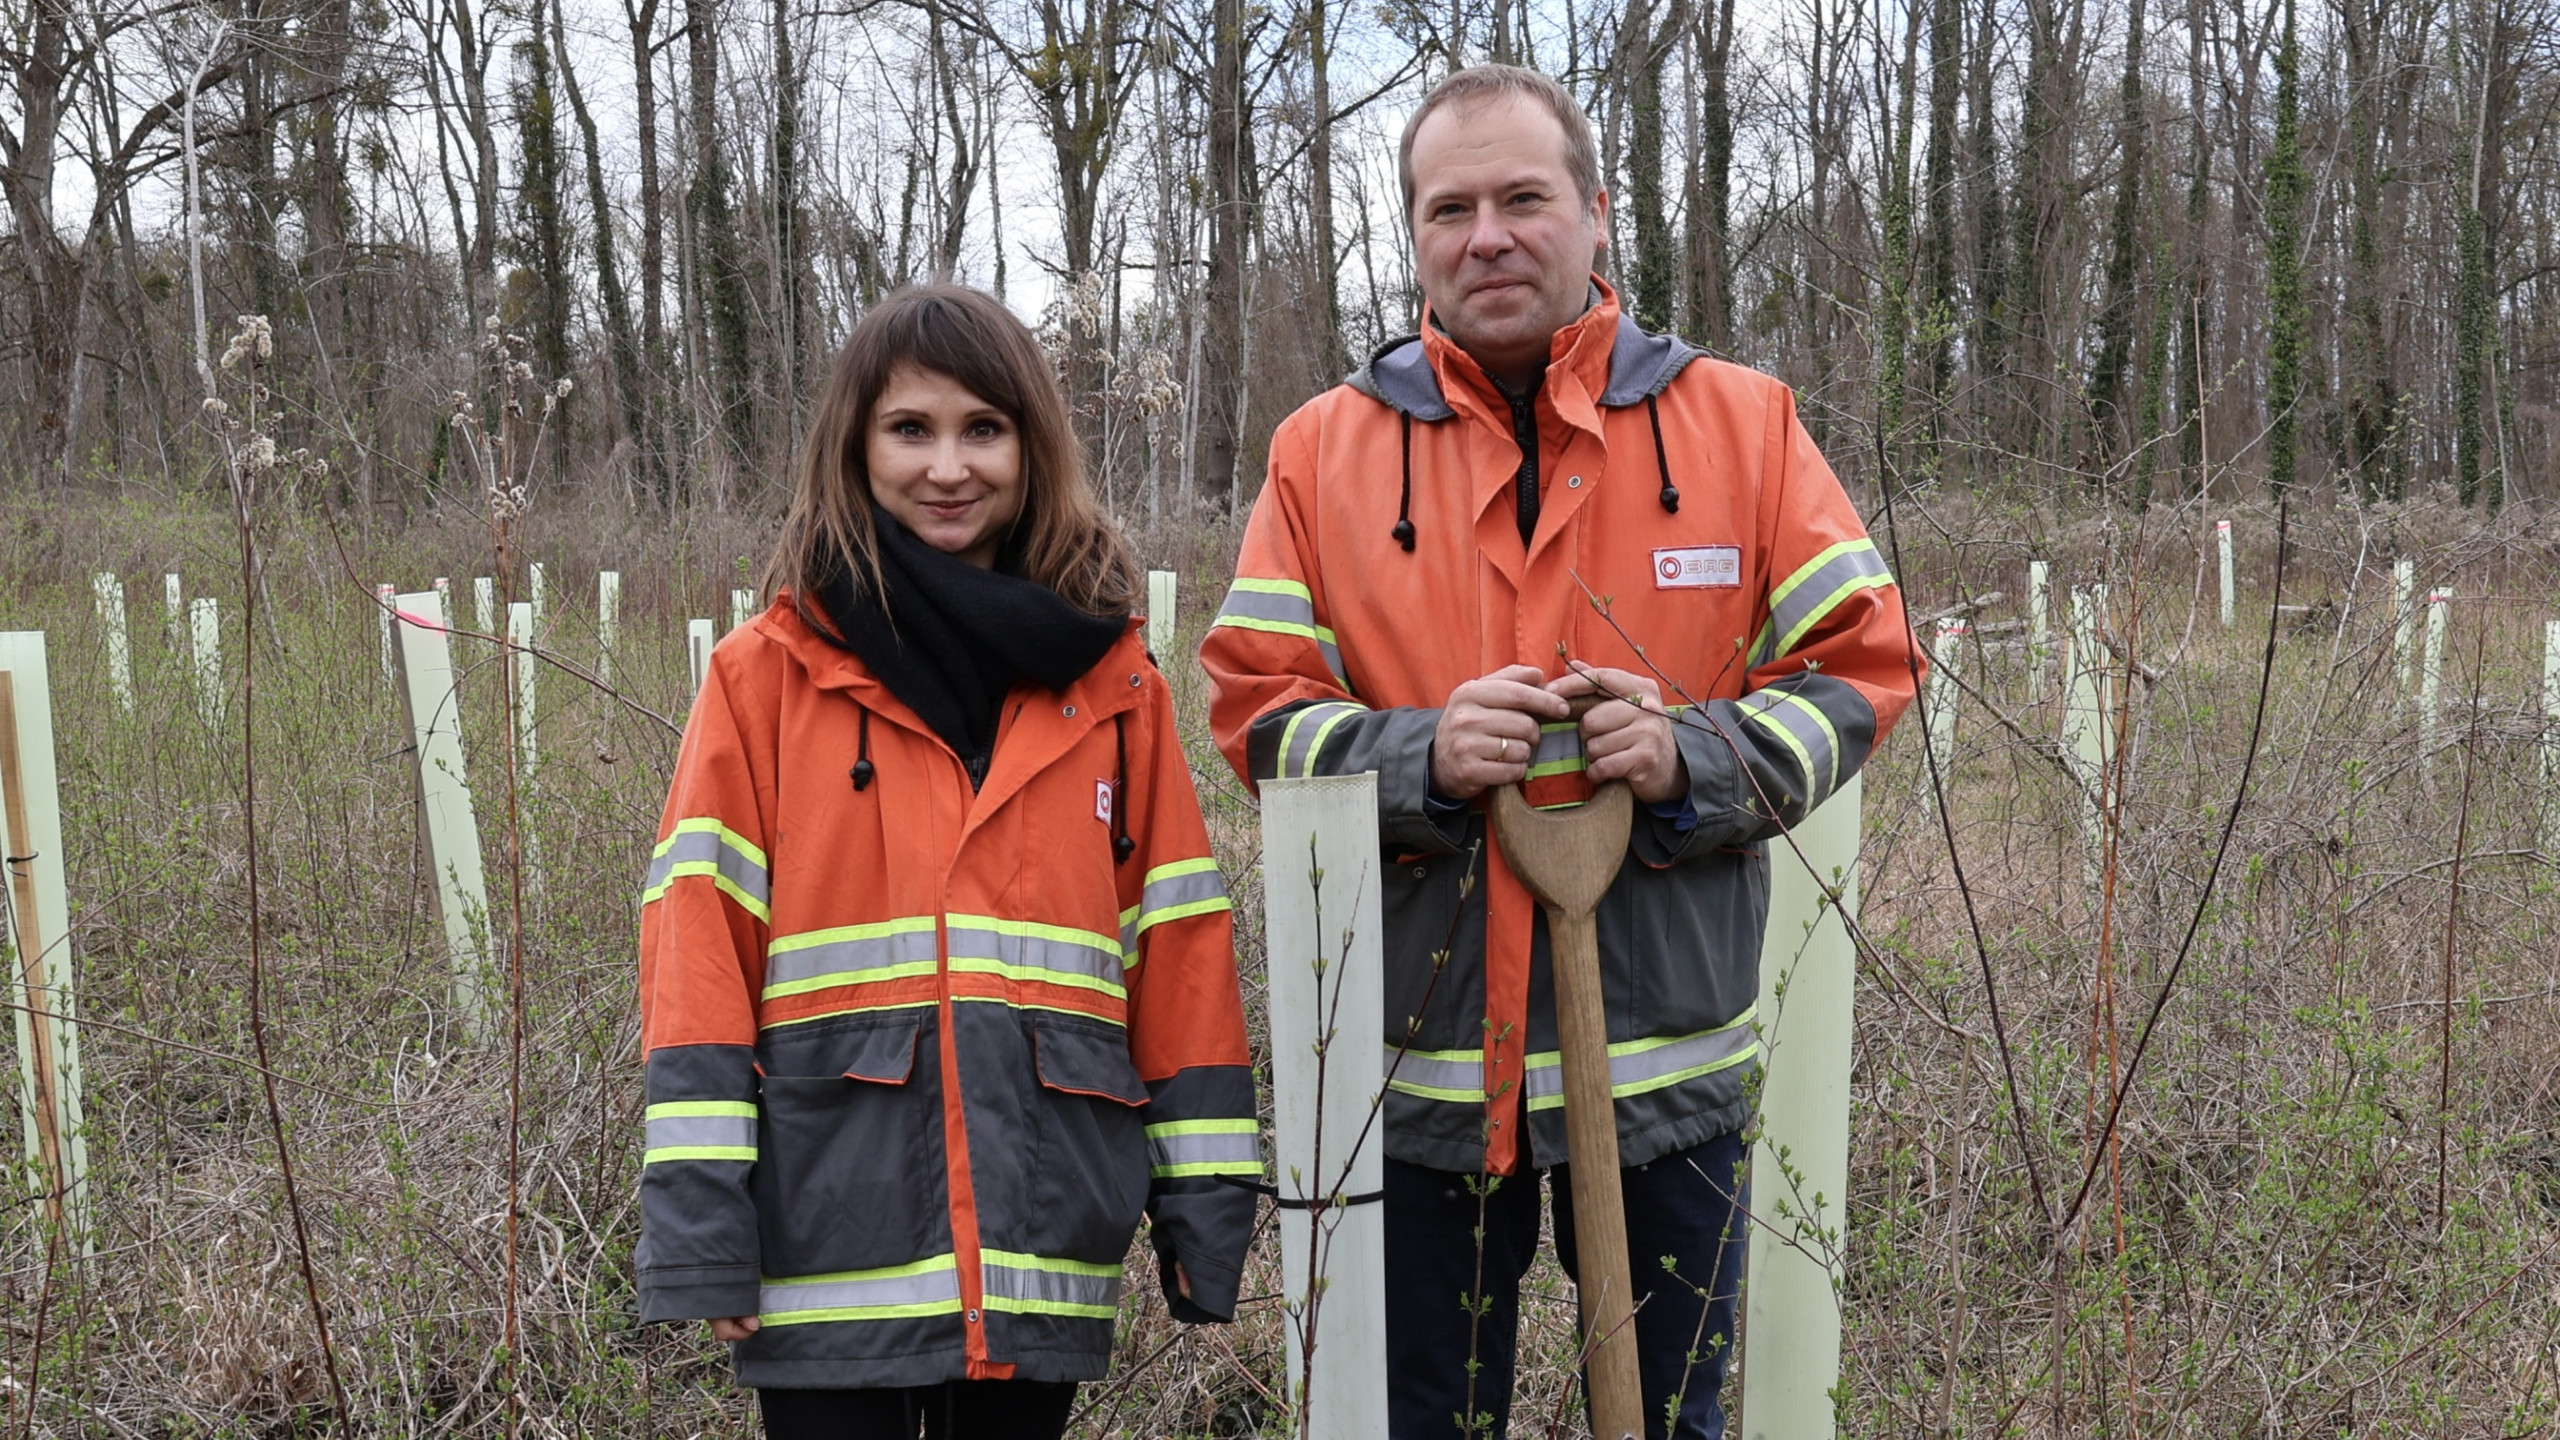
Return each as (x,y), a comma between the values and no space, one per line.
(1680,1207)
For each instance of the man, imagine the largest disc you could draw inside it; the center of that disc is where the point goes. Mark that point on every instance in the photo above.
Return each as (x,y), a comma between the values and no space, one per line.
(1530,502)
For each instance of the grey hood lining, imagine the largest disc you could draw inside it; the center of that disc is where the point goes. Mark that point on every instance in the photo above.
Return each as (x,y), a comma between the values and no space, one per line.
(1641,366)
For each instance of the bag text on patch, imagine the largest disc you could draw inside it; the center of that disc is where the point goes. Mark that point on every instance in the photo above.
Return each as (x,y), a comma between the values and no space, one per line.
(1694,567)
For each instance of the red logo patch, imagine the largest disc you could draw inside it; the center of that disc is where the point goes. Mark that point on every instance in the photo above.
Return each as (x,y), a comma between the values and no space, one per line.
(1102,801)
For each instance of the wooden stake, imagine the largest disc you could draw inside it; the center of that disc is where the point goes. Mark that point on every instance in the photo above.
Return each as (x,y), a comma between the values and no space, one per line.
(521,667)
(2222,538)
(207,613)
(1808,981)
(608,621)
(448,827)
(1160,617)
(1321,905)
(533,594)
(2431,683)
(35,941)
(484,605)
(110,592)
(698,640)
(1944,695)
(2039,628)
(1568,859)
(2404,611)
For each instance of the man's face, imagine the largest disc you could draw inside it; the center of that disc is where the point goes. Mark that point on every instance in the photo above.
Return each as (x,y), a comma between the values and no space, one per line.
(1502,240)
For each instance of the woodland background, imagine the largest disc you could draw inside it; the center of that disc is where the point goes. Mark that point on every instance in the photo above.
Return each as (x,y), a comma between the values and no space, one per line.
(2101,247)
(2257,1136)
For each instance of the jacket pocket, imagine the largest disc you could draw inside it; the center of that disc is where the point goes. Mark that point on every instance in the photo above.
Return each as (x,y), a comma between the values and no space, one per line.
(850,1173)
(1089,1167)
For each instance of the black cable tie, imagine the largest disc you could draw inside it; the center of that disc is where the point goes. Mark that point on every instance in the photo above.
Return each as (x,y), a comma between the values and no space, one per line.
(1290,1202)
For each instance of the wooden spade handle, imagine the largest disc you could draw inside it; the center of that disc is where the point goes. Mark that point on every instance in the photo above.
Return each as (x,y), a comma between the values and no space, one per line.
(1607,1282)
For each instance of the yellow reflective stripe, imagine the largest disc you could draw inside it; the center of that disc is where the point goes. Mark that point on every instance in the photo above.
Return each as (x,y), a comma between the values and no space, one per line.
(1800,705)
(1258,586)
(1204,1127)
(1559,750)
(698,1152)
(707,825)
(1278,627)
(1015,1260)
(1176,868)
(679,1109)
(856,1010)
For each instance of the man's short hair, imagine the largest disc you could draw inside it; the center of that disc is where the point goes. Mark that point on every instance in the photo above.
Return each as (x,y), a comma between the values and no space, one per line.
(1479,85)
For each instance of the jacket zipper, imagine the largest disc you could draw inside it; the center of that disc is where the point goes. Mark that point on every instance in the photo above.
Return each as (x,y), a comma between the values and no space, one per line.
(1524,483)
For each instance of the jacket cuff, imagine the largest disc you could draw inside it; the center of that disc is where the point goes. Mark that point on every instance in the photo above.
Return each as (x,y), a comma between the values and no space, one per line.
(1407,821)
(704,1292)
(1215,1283)
(1716,794)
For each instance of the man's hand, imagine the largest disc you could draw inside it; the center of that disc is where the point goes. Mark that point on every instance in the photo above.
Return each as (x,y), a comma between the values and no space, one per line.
(1628,736)
(1488,730)
(735,1329)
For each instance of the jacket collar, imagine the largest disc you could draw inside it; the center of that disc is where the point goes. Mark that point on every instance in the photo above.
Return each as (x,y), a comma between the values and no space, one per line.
(1102,691)
(1406,374)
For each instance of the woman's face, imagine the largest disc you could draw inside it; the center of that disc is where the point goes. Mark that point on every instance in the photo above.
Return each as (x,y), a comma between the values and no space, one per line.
(945,462)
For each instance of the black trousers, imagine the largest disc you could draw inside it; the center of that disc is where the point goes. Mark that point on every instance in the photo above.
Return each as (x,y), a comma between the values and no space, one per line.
(1681,1207)
(954,1410)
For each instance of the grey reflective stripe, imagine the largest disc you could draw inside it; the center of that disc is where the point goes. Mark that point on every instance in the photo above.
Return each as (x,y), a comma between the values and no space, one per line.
(1436,1075)
(843,961)
(1013,952)
(697,1131)
(1807,732)
(928,1287)
(1239,1150)
(1181,890)
(704,846)
(1640,1066)
(1302,739)
(1810,594)
(1559,751)
(1028,1283)
(1279,607)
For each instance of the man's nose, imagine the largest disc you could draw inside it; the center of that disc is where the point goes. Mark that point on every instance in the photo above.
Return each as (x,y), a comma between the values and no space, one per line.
(1490,235)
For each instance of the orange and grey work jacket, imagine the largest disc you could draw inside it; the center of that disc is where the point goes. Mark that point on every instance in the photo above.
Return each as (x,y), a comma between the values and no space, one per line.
(920,1055)
(1383,567)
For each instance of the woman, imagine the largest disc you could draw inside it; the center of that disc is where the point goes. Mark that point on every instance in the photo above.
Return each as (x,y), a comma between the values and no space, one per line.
(936,976)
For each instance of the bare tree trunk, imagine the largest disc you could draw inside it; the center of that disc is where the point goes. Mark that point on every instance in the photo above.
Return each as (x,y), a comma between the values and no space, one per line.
(1329,347)
(630,379)
(2107,435)
(1710,185)
(720,275)
(1223,360)
(790,284)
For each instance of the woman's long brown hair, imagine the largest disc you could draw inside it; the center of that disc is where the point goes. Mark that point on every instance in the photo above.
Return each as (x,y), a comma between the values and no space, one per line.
(1062,538)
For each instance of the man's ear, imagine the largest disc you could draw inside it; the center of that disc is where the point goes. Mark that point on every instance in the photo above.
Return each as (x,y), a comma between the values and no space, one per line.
(1599,220)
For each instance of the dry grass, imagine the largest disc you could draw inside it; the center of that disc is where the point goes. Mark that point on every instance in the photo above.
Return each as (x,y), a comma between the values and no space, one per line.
(2282,1267)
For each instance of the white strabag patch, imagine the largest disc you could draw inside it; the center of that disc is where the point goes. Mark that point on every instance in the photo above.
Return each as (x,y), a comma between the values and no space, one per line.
(1695,567)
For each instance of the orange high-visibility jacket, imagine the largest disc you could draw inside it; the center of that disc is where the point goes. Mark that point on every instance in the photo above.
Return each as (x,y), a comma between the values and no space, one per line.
(920,1055)
(1681,496)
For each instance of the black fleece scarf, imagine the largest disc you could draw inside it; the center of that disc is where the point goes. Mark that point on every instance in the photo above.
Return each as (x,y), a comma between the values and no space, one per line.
(953,638)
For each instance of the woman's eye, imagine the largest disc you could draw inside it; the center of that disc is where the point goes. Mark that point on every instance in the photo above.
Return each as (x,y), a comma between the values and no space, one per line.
(908,429)
(985,430)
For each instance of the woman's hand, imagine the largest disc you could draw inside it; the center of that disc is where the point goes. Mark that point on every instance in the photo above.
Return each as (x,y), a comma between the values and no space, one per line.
(736,1329)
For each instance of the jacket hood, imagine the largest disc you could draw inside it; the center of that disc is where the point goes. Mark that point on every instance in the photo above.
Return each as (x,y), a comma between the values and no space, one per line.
(1641,366)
